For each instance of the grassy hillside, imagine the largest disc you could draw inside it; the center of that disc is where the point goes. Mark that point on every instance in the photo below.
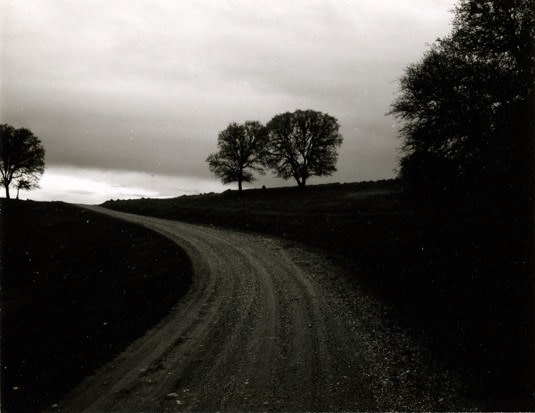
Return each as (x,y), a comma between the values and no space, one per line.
(458,273)
(77,287)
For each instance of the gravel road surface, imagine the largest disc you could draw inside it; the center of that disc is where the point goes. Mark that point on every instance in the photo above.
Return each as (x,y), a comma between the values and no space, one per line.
(268,325)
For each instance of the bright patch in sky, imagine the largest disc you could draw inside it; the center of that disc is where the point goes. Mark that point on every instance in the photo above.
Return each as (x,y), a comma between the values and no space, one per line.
(91,186)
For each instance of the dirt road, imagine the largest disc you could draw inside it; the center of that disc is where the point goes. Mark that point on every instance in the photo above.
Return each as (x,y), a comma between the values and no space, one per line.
(267,325)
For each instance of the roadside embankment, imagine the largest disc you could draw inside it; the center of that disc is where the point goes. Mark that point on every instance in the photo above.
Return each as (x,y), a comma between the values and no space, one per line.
(77,287)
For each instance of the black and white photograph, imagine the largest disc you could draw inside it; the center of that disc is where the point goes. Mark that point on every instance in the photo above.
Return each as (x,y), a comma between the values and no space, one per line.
(267,206)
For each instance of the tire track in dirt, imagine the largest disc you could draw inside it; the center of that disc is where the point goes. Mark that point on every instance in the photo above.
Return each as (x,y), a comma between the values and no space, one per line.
(266,325)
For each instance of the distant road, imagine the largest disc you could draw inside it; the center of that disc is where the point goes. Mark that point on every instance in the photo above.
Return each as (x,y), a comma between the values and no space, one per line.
(267,325)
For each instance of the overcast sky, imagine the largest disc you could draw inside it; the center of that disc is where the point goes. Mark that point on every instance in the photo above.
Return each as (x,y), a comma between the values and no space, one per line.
(128,96)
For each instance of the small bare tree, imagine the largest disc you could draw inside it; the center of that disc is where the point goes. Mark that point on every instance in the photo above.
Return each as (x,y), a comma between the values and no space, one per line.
(28,183)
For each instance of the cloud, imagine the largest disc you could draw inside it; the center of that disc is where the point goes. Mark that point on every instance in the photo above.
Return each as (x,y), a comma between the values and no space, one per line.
(146,86)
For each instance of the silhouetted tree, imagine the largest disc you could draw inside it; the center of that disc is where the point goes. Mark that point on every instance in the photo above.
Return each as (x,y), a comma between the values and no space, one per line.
(241,149)
(21,156)
(26,184)
(303,144)
(468,106)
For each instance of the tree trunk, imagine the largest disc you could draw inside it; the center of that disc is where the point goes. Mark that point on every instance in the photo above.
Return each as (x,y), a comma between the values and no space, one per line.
(239,186)
(7,191)
(18,189)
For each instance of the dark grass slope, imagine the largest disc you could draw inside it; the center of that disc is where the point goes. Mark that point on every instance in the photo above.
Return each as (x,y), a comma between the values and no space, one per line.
(77,287)
(457,272)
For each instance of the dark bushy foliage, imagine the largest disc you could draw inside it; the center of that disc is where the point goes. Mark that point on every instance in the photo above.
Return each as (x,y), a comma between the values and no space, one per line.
(22,158)
(240,153)
(302,144)
(467,107)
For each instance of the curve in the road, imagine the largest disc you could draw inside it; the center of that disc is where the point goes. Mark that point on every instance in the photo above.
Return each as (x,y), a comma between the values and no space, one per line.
(267,325)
